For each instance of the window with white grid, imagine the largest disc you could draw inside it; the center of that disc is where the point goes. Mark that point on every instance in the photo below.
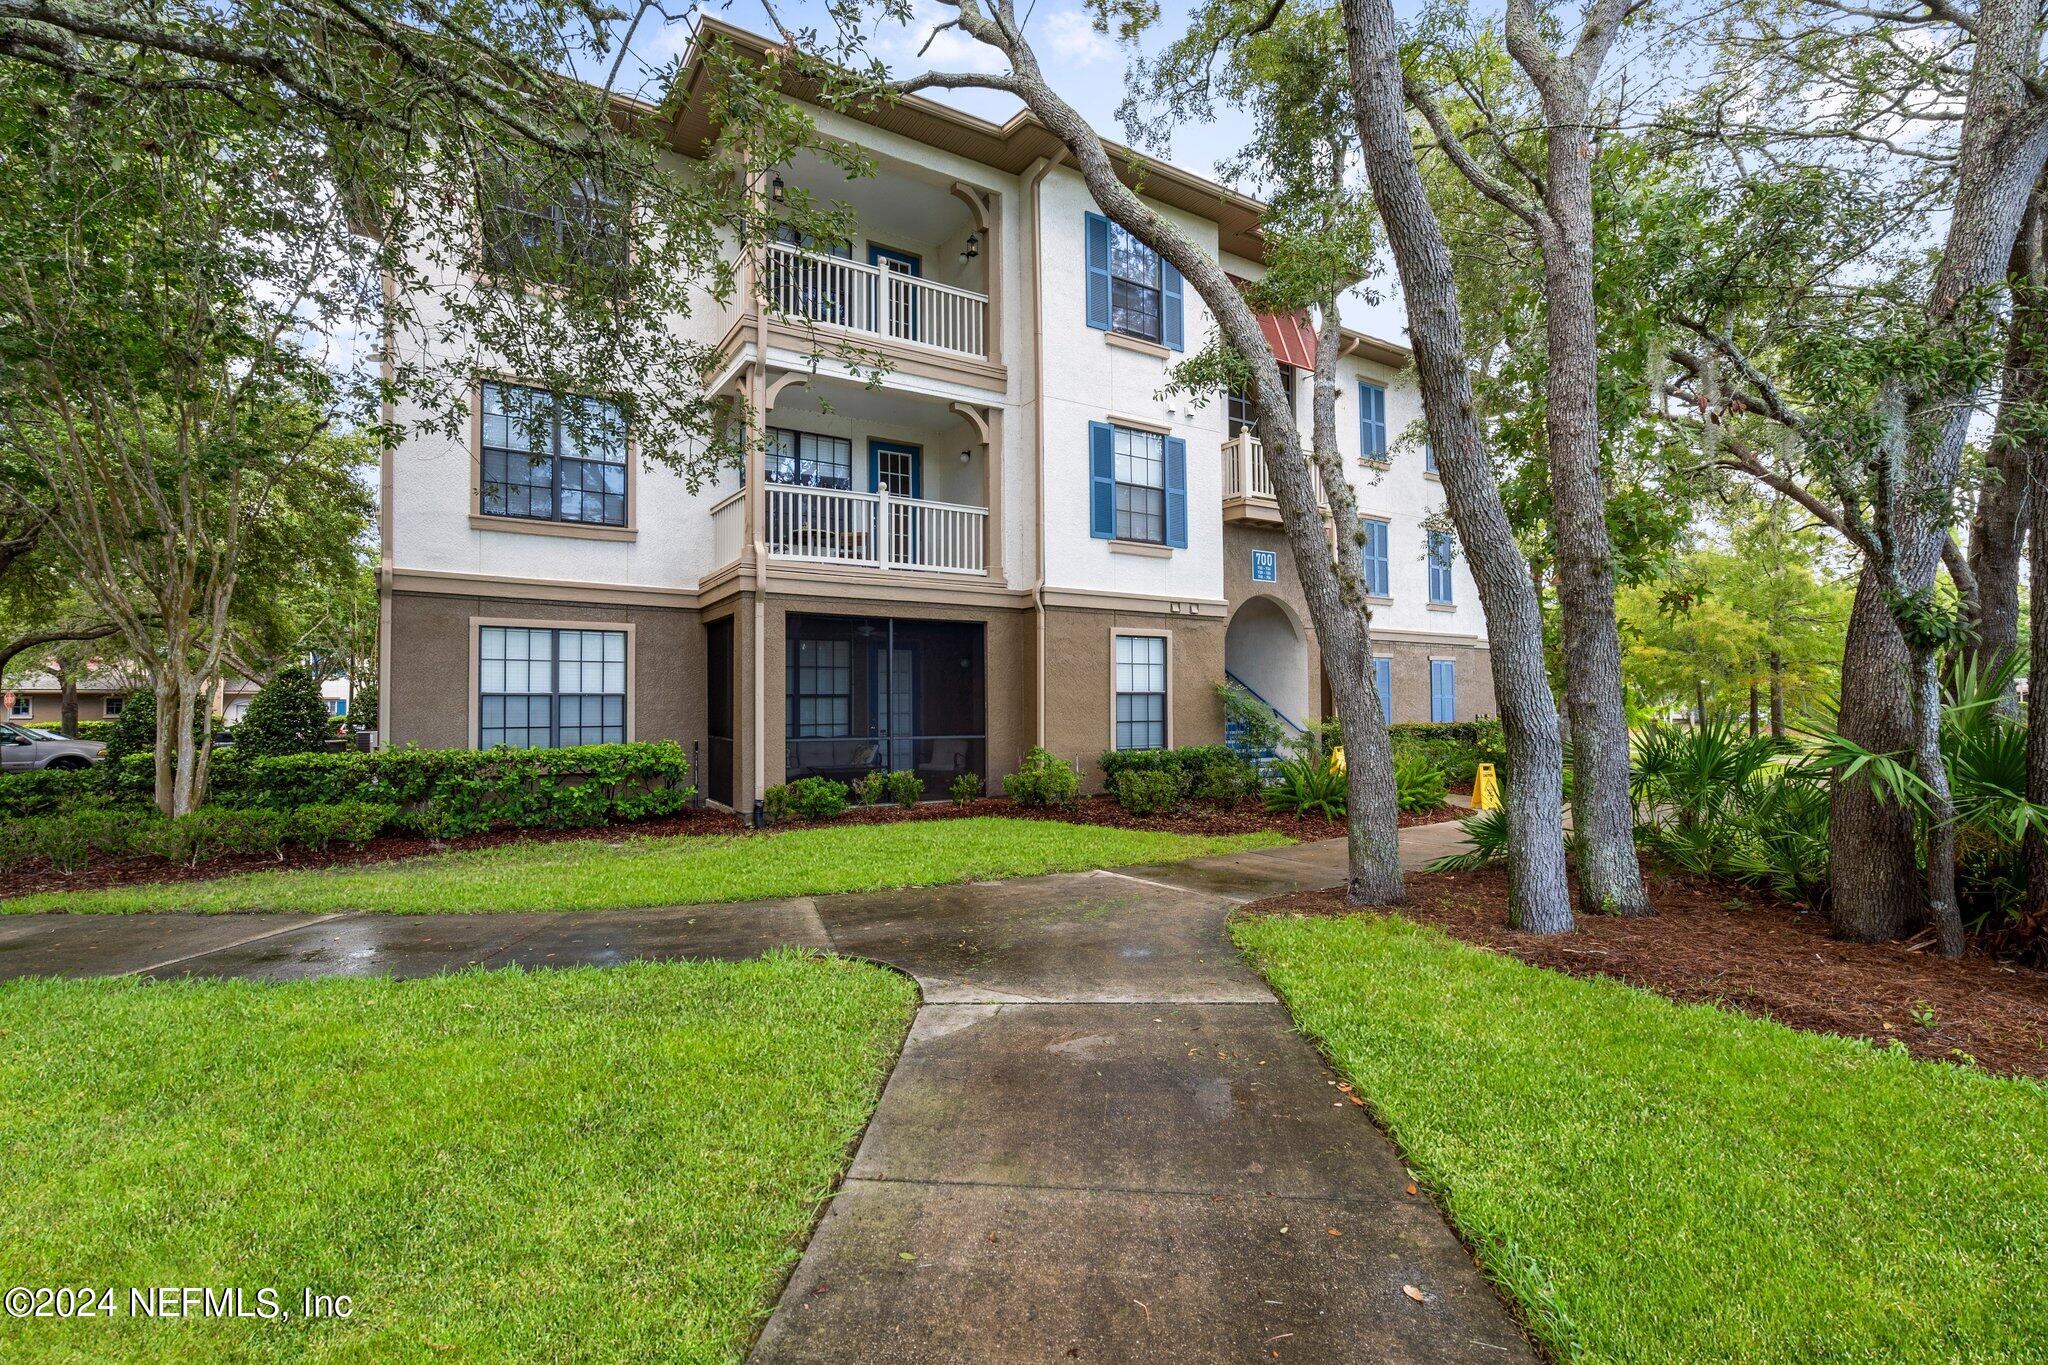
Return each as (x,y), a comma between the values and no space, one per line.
(1140,485)
(539,688)
(1140,692)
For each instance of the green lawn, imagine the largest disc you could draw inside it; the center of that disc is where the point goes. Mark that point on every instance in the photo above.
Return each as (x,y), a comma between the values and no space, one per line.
(598,874)
(588,1164)
(1669,1182)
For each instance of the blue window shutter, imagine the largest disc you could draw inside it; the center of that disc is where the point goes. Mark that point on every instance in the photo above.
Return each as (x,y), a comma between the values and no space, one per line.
(1372,422)
(1443,690)
(1176,492)
(874,469)
(1172,330)
(1374,557)
(1098,271)
(1101,481)
(1383,682)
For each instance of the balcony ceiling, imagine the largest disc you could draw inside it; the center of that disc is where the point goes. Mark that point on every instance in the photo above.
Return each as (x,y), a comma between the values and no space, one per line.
(870,408)
(892,205)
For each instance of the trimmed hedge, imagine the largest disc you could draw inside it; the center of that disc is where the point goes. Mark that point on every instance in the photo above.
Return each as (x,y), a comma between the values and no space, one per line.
(75,838)
(1214,772)
(49,791)
(1146,791)
(448,792)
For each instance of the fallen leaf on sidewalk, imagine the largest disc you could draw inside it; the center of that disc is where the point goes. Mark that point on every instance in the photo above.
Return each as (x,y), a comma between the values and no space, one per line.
(1416,1294)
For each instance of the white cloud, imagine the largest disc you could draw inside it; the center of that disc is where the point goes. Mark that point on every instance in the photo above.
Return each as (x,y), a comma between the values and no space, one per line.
(1071,36)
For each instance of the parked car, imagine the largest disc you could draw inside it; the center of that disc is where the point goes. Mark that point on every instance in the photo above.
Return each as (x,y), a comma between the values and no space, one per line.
(25,750)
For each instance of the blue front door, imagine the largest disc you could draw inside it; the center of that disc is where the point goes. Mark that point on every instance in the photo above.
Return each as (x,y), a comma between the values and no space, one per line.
(898,305)
(898,467)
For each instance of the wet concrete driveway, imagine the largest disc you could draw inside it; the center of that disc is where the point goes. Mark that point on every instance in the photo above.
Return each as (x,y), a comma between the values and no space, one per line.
(1103,1140)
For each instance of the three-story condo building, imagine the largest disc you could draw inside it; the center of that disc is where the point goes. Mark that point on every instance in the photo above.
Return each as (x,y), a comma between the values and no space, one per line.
(1013,538)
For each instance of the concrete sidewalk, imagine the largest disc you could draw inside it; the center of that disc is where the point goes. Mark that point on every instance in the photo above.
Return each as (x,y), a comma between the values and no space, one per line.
(1103,1141)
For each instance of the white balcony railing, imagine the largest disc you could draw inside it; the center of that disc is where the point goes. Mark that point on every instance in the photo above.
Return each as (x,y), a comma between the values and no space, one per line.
(865,298)
(876,530)
(1245,474)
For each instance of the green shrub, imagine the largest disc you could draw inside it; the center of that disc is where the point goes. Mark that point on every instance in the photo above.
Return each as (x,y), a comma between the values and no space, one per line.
(1228,780)
(353,823)
(817,798)
(445,793)
(906,788)
(287,717)
(1210,771)
(50,791)
(966,787)
(216,831)
(1418,785)
(870,789)
(1259,724)
(775,805)
(134,729)
(1455,747)
(1308,786)
(100,730)
(1141,792)
(71,840)
(1043,779)
(362,707)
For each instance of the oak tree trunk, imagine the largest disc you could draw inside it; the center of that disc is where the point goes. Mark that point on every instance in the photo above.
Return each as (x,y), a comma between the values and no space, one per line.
(1998,529)
(1603,815)
(1872,844)
(1539,891)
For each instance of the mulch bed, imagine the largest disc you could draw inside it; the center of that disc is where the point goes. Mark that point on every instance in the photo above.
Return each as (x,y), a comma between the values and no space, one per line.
(1194,820)
(1708,942)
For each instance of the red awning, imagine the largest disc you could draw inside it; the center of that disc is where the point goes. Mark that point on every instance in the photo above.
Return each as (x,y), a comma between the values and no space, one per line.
(1292,339)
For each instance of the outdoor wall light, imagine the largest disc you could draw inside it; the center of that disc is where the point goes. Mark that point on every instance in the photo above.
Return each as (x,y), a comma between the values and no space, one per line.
(973,247)
(776,190)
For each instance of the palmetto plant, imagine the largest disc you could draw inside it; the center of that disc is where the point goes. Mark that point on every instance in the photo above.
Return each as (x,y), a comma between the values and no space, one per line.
(1695,775)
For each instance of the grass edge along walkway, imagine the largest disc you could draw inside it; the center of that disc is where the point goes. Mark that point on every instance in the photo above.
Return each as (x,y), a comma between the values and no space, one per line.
(636,872)
(1657,1181)
(593,1163)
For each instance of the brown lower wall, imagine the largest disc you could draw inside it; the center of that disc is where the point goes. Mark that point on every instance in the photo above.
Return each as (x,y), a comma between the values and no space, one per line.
(1080,676)
(431,696)
(430,693)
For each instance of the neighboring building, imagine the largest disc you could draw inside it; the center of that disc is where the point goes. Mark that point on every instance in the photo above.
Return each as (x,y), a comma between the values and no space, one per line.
(1010,539)
(38,699)
(333,691)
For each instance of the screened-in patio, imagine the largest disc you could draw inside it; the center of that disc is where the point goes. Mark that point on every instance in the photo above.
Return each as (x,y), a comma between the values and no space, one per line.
(874,694)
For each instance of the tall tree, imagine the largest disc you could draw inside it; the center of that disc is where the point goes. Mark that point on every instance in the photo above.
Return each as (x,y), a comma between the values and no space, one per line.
(1540,896)
(1990,577)
(1556,204)
(1872,399)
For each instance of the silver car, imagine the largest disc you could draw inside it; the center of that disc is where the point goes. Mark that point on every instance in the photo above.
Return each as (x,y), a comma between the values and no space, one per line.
(24,750)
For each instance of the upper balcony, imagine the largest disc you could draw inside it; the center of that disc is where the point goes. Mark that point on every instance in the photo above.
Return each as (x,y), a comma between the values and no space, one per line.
(881,300)
(1248,485)
(912,282)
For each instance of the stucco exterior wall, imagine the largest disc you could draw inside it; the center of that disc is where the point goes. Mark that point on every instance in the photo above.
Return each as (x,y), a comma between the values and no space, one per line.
(1081,681)
(434,694)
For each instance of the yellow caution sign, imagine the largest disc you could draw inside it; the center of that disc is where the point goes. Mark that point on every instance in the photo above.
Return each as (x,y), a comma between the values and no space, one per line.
(1337,759)
(1485,789)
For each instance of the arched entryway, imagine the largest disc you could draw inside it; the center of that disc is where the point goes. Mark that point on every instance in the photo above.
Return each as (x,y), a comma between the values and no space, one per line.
(1266,651)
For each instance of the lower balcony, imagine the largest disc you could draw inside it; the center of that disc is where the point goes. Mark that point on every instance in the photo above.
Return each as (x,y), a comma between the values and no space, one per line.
(877,530)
